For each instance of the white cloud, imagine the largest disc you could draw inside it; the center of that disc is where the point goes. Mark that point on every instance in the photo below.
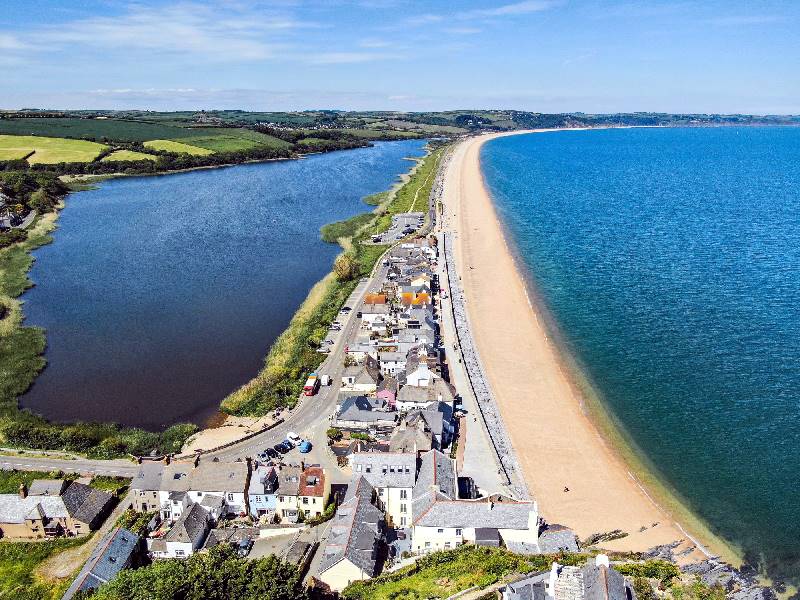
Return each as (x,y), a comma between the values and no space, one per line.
(187,28)
(425,19)
(516,8)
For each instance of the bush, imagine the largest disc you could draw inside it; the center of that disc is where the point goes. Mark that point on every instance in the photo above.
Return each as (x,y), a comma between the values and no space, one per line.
(345,267)
(652,569)
(13,236)
(334,434)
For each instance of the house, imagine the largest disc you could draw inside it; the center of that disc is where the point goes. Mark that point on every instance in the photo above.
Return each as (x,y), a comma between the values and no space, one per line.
(416,397)
(362,378)
(361,413)
(375,315)
(360,349)
(372,299)
(288,492)
(116,551)
(186,535)
(415,295)
(594,581)
(417,374)
(441,521)
(408,339)
(424,429)
(172,487)
(55,508)
(313,491)
(392,363)
(392,474)
(387,391)
(262,492)
(352,551)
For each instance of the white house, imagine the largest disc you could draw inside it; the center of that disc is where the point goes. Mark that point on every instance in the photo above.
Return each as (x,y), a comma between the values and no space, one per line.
(392,474)
(441,521)
(171,488)
(392,363)
(185,536)
(362,378)
(261,494)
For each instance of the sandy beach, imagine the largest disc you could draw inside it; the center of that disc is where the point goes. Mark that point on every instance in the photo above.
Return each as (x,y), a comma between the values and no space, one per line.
(557,444)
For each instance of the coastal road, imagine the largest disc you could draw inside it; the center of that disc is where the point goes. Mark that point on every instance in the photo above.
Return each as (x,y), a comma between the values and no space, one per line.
(118,468)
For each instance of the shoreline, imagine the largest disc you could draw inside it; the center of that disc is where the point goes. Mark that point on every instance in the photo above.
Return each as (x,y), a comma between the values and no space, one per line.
(612,485)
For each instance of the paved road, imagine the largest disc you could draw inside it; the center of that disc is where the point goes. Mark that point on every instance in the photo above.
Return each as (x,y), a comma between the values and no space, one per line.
(120,468)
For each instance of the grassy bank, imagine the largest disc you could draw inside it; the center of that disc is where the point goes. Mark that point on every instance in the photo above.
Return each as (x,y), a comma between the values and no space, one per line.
(294,354)
(18,564)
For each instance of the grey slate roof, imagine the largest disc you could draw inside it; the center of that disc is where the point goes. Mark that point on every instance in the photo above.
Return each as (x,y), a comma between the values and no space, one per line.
(46,487)
(531,588)
(436,469)
(208,476)
(603,583)
(364,409)
(386,469)
(289,480)
(438,391)
(112,555)
(191,526)
(14,509)
(475,513)
(356,530)
(230,535)
(86,503)
(556,538)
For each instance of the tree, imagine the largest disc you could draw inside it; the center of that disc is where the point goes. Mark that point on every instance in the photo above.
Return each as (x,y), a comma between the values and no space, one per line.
(345,267)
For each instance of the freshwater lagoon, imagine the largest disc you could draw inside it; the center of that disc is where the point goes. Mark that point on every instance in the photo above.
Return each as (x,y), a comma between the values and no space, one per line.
(161,295)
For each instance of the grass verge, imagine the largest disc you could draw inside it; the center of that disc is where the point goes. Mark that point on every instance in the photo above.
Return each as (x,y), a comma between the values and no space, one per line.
(18,563)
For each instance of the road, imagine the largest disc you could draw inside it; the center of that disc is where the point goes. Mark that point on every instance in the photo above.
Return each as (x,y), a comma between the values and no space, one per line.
(119,467)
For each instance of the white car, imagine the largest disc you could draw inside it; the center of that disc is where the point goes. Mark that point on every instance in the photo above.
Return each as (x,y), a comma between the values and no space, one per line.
(294,438)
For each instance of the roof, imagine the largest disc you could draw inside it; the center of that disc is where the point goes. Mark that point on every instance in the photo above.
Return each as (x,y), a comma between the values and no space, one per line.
(207,476)
(374,299)
(85,503)
(364,410)
(438,390)
(531,588)
(410,439)
(438,471)
(14,509)
(355,530)
(391,356)
(476,513)
(46,487)
(602,583)
(190,527)
(289,480)
(375,309)
(231,535)
(312,481)
(386,469)
(557,538)
(109,557)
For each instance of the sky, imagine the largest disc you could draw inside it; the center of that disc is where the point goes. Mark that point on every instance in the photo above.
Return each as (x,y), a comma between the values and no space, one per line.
(592,56)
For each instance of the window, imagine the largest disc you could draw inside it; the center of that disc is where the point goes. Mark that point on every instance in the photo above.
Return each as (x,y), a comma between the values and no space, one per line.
(403,494)
(380,491)
(280,498)
(358,468)
(230,496)
(440,531)
(427,544)
(447,544)
(402,521)
(368,469)
(305,500)
(314,500)
(180,553)
(458,532)
(258,498)
(403,508)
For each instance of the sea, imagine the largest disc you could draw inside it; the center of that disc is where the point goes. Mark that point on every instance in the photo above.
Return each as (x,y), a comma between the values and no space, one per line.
(669,260)
(161,295)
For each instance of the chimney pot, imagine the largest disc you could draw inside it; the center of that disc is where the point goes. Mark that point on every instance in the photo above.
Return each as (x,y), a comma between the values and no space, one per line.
(23,491)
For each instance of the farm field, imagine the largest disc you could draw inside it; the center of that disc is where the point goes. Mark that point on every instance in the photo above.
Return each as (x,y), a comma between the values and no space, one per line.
(49,150)
(239,139)
(178,147)
(120,155)
(96,129)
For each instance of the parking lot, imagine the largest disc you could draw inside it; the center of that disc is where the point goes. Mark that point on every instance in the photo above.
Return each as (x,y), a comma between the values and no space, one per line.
(403,224)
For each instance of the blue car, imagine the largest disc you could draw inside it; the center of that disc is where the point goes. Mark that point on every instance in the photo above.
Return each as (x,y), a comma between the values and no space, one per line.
(305,447)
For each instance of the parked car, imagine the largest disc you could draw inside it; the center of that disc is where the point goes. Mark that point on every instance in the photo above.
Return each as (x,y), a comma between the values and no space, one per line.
(346,309)
(305,447)
(293,438)
(271,453)
(243,547)
(282,447)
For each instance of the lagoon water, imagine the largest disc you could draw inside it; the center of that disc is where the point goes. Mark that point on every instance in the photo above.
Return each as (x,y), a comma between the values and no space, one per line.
(669,260)
(161,295)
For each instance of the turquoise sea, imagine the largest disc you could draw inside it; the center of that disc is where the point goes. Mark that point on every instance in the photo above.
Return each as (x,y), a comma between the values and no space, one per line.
(669,260)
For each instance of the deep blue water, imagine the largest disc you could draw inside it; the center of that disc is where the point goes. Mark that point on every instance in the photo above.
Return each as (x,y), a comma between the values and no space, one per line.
(670,262)
(161,295)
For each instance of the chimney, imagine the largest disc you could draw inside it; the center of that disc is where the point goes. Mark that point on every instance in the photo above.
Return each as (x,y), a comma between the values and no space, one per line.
(23,491)
(489,505)
(601,560)
(551,584)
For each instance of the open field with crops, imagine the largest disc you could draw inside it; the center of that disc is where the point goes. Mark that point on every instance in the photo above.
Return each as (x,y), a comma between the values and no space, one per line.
(177,147)
(49,150)
(239,139)
(120,155)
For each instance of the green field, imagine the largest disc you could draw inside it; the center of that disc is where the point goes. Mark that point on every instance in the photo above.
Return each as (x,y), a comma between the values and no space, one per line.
(177,147)
(119,155)
(49,150)
(18,563)
(97,129)
(238,140)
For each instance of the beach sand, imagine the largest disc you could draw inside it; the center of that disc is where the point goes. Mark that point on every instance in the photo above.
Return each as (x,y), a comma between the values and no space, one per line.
(556,442)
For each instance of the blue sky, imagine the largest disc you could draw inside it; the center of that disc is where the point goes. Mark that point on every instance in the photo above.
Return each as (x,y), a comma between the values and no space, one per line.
(541,55)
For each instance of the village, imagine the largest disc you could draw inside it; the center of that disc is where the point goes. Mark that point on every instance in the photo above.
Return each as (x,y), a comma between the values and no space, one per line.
(409,465)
